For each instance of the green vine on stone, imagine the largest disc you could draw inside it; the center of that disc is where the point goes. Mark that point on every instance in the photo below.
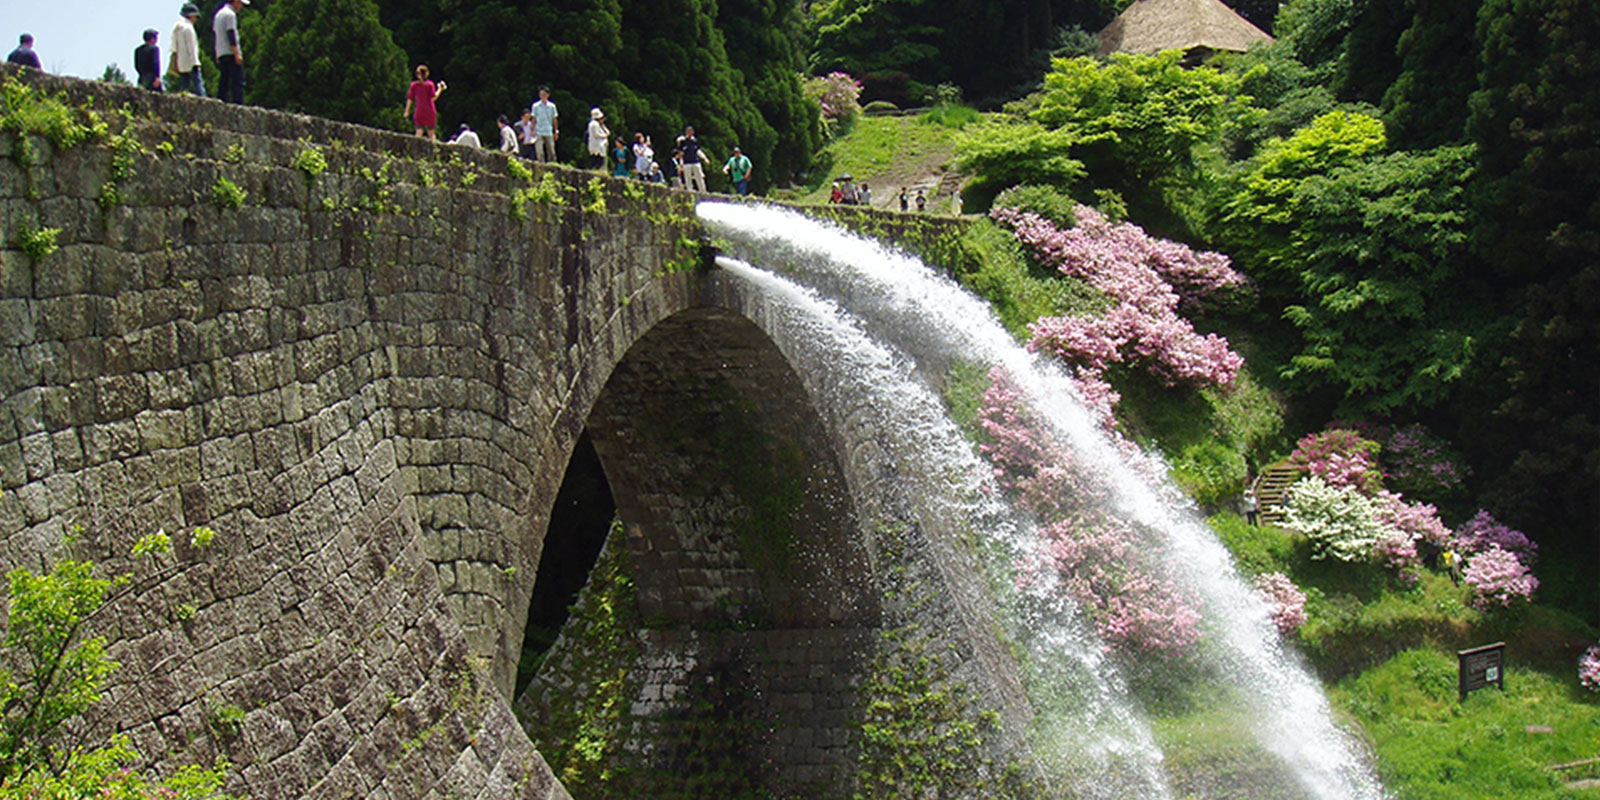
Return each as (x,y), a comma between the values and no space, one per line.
(227,194)
(311,162)
(37,243)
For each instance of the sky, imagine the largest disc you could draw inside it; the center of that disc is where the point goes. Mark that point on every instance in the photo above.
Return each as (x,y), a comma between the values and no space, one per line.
(82,38)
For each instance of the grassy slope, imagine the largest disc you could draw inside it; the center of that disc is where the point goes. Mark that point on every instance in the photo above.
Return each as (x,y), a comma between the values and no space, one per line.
(886,153)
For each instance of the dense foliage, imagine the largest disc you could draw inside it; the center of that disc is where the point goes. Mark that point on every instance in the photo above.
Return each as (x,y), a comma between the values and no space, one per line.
(302,59)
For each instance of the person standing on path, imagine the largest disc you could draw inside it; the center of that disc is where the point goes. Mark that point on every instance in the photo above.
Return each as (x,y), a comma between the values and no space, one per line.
(508,136)
(185,61)
(1252,506)
(423,94)
(230,57)
(546,127)
(694,173)
(24,55)
(922,201)
(905,200)
(865,195)
(147,61)
(738,168)
(599,135)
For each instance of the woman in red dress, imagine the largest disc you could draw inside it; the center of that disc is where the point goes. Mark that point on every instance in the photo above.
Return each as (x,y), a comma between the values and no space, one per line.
(422,94)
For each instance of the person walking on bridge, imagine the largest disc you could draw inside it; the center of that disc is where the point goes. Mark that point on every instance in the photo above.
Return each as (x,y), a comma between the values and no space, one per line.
(599,135)
(230,56)
(508,136)
(185,61)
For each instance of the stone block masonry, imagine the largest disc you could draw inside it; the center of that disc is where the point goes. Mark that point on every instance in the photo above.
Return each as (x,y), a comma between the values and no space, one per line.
(364,359)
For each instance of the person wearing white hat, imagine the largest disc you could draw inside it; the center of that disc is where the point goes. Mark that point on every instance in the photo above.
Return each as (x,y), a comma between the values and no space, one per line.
(599,136)
(230,56)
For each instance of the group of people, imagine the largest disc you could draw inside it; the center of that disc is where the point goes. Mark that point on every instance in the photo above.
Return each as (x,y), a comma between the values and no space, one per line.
(185,59)
(847,192)
(534,137)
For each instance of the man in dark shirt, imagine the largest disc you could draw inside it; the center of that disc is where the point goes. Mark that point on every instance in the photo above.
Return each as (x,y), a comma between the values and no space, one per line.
(24,54)
(147,62)
(694,174)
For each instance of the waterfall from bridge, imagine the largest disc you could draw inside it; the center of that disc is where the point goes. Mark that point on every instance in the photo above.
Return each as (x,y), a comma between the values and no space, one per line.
(887,327)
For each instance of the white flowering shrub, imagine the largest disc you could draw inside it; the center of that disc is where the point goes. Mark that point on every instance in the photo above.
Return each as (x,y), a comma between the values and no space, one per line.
(1340,522)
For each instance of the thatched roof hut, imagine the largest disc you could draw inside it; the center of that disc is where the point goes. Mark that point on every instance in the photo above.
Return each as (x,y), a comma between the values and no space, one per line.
(1197,27)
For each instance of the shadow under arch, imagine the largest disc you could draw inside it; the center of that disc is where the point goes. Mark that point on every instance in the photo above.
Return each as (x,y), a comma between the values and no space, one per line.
(734,606)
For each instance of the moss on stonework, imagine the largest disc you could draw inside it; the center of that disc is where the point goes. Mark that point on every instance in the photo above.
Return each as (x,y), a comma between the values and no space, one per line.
(582,735)
(923,734)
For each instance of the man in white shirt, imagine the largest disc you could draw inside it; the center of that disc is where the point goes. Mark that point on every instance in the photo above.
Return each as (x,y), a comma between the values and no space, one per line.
(185,61)
(230,57)
(546,127)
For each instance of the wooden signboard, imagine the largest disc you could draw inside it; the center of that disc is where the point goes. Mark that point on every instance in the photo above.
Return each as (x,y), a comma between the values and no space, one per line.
(1482,666)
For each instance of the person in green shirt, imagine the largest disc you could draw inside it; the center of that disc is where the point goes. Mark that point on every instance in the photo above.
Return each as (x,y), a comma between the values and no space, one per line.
(738,168)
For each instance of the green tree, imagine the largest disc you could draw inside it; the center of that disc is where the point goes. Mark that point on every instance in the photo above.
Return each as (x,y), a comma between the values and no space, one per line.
(114,74)
(1385,314)
(1536,120)
(61,672)
(764,39)
(1001,155)
(331,58)
(1426,106)
(1134,121)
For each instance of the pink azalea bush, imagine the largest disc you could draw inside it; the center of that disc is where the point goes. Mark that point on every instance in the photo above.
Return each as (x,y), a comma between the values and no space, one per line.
(1287,601)
(837,93)
(1589,669)
(1149,281)
(1340,457)
(1105,564)
(1497,578)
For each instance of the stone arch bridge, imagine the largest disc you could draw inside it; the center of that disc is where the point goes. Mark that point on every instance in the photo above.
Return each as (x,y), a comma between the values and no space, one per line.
(372,364)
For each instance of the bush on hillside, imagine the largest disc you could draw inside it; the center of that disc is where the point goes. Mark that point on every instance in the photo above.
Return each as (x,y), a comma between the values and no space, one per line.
(1589,669)
(1046,201)
(1149,281)
(1341,458)
(1340,523)
(1287,601)
(1106,565)
(1498,578)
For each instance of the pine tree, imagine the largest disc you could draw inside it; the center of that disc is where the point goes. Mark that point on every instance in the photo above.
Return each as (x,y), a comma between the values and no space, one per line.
(331,58)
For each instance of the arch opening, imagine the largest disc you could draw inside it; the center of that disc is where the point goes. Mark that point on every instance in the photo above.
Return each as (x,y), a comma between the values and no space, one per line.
(580,518)
(718,643)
